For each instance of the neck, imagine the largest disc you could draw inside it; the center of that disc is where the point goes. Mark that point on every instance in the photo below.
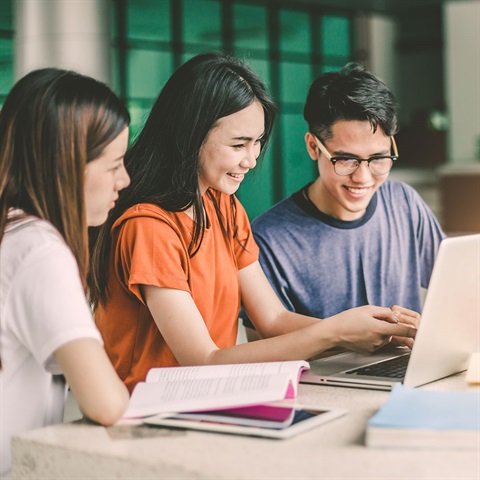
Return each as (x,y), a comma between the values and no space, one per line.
(314,196)
(317,195)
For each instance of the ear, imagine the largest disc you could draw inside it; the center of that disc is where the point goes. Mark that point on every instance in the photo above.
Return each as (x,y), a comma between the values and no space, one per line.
(311,145)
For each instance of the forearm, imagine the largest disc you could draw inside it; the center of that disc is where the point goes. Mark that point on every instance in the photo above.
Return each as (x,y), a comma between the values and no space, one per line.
(100,393)
(285,322)
(362,329)
(264,308)
(299,344)
(291,336)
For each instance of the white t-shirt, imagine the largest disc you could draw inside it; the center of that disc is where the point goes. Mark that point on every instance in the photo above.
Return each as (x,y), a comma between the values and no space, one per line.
(42,307)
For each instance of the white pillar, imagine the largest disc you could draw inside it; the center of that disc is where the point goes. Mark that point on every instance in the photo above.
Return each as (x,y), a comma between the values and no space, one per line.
(383,37)
(462,76)
(376,41)
(71,34)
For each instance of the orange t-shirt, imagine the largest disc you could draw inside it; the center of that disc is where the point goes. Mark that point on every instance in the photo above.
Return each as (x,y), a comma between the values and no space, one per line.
(150,247)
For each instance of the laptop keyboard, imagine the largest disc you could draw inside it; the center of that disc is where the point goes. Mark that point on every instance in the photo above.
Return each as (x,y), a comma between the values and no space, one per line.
(392,368)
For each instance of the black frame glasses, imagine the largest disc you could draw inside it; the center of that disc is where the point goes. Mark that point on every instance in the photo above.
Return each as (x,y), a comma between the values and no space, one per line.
(346,165)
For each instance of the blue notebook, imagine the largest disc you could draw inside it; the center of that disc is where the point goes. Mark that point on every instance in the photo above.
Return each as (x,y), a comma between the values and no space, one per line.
(413,418)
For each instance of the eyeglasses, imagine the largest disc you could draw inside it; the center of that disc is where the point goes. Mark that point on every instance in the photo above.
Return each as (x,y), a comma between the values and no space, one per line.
(344,166)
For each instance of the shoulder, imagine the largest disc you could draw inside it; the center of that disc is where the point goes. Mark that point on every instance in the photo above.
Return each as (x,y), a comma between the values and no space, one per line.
(284,212)
(398,196)
(150,217)
(32,227)
(38,265)
(145,228)
(142,211)
(25,242)
(399,191)
(404,202)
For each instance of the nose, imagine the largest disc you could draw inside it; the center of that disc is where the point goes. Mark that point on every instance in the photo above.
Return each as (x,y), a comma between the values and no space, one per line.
(362,173)
(123,179)
(251,155)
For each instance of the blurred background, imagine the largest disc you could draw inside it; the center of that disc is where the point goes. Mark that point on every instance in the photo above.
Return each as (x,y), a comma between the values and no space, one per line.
(428,51)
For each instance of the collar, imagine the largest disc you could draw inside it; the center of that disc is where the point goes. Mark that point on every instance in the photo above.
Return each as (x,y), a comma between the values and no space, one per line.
(302,199)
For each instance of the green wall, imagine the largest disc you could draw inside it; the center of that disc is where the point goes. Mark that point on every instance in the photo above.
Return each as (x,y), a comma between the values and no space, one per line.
(288,45)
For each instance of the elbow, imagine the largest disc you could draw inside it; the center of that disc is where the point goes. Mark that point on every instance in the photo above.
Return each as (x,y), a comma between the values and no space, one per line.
(111,416)
(267,331)
(110,410)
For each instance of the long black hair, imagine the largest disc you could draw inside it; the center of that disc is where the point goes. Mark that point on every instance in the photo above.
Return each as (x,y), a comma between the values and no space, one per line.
(163,163)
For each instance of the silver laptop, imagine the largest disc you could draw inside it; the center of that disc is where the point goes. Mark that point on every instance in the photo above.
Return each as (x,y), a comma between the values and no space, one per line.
(449,330)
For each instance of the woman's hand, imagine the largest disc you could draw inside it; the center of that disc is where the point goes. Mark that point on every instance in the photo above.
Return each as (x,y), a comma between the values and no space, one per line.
(408,317)
(365,329)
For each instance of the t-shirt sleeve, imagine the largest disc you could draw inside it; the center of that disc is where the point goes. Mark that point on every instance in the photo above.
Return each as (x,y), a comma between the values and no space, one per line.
(246,250)
(150,251)
(50,303)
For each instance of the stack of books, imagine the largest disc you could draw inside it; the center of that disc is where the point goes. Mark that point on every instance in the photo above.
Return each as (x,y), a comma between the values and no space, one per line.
(414,418)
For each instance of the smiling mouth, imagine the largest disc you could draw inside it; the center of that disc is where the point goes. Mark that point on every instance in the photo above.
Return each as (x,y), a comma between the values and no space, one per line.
(357,190)
(236,175)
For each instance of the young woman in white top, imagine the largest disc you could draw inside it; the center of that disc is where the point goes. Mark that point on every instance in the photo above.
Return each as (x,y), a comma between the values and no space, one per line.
(62,141)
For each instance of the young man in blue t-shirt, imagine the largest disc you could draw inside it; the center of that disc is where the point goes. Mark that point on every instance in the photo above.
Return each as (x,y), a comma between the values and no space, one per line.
(350,237)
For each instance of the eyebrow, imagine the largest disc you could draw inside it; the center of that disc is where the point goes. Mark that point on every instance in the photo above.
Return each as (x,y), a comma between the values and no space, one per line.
(342,153)
(242,138)
(247,139)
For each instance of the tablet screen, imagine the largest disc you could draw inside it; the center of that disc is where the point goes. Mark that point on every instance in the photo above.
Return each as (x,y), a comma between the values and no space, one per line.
(271,421)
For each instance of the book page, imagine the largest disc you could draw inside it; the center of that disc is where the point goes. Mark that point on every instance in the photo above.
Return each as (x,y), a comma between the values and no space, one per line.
(205,394)
(235,370)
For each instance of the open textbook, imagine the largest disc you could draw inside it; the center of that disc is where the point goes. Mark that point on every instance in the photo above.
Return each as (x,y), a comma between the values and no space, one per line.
(213,387)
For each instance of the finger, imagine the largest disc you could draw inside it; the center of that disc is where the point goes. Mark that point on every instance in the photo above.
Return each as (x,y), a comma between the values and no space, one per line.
(401,309)
(387,340)
(405,312)
(407,319)
(401,330)
(406,315)
(403,341)
(385,314)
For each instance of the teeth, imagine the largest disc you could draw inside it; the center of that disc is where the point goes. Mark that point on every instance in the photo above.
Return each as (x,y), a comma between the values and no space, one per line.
(356,190)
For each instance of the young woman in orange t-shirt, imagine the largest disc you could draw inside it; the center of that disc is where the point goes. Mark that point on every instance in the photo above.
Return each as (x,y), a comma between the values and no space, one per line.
(176,257)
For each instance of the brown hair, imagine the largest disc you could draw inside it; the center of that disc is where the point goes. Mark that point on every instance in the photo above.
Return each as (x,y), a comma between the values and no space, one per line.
(52,124)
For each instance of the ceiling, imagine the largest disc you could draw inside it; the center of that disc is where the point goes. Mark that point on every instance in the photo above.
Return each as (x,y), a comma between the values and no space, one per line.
(388,7)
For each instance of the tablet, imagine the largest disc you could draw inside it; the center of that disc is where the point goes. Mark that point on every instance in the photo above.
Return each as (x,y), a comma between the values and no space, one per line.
(270,421)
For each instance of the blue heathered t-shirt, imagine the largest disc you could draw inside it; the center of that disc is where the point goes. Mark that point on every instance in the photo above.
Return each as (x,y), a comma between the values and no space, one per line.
(320,266)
